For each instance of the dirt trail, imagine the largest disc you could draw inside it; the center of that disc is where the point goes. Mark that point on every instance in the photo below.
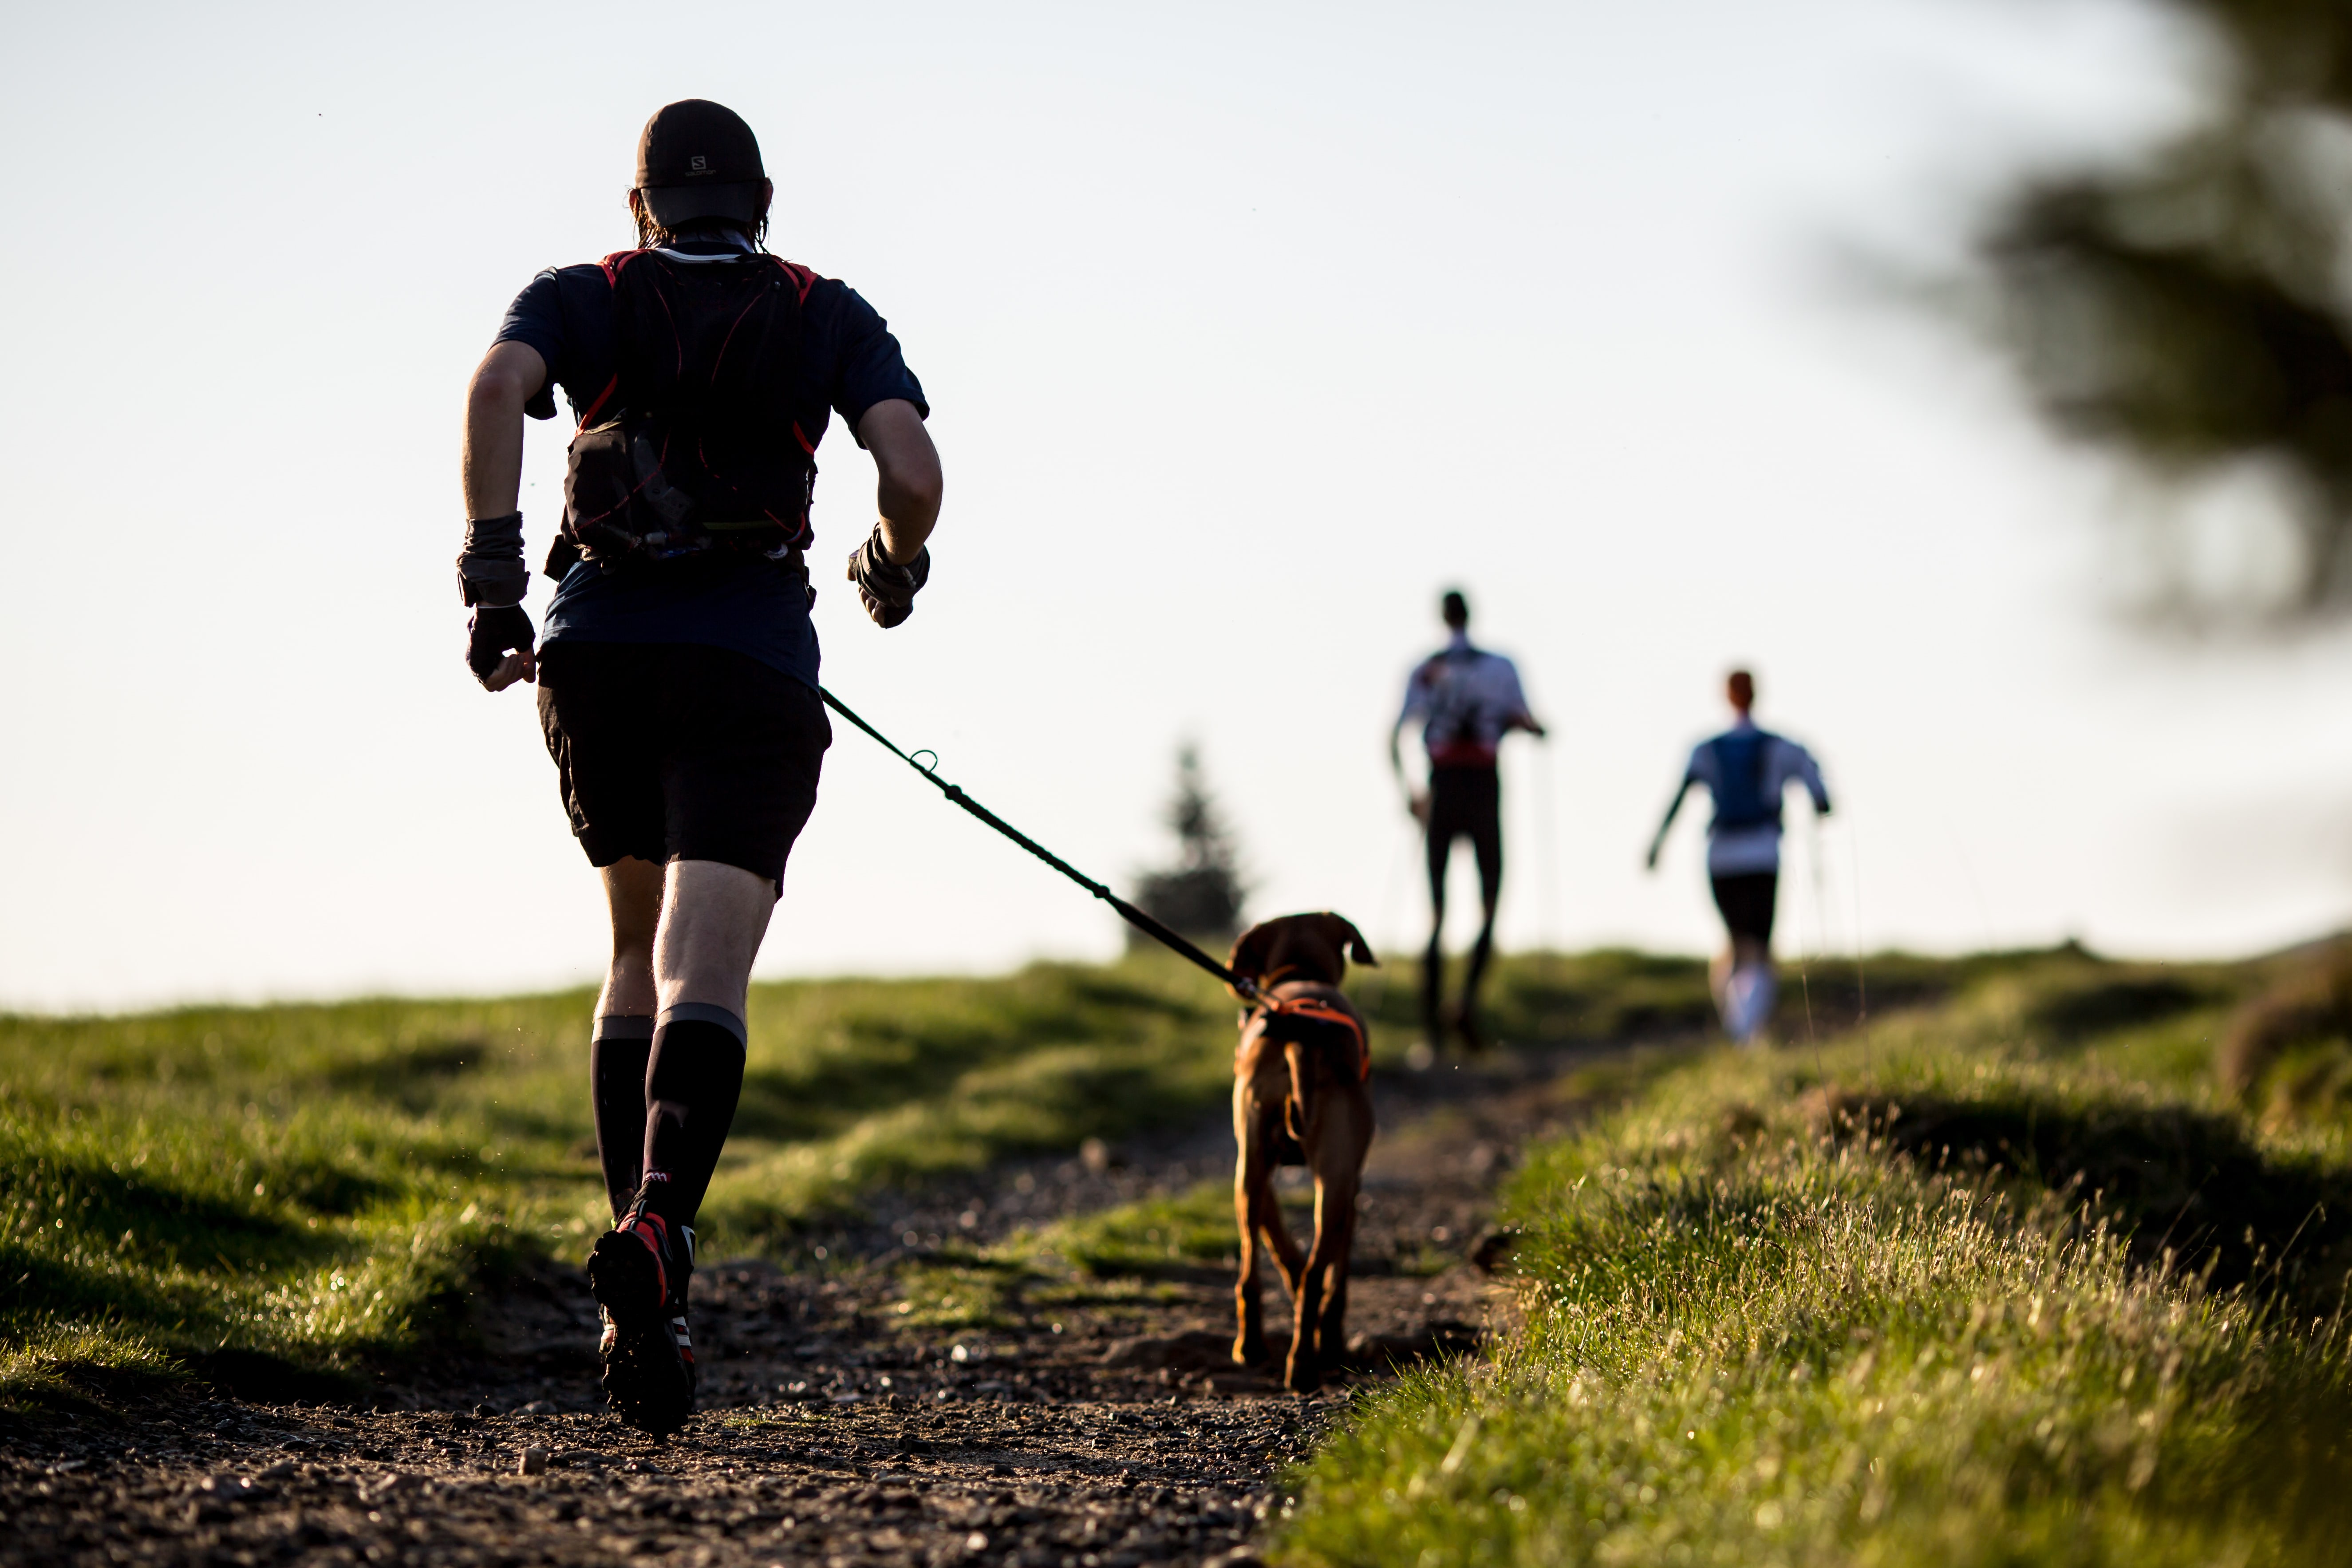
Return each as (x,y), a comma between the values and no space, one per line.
(1100,1435)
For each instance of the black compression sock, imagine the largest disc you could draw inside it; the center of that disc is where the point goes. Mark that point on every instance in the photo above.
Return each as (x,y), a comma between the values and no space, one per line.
(691,1085)
(616,1070)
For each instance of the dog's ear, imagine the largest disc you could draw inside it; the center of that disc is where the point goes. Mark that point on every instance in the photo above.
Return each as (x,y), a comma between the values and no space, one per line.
(1344,935)
(1251,952)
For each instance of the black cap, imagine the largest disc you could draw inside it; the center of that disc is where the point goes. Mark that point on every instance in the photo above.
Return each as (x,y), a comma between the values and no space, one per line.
(697,159)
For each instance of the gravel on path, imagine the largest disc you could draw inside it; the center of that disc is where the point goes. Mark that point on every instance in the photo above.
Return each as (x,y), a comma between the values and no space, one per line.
(1104,1432)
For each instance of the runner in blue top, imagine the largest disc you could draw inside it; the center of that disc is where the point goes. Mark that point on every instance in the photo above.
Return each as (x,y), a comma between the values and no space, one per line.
(1467,700)
(1745,769)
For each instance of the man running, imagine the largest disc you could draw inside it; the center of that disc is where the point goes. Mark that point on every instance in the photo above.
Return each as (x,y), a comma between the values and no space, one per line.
(678,677)
(1744,770)
(1467,700)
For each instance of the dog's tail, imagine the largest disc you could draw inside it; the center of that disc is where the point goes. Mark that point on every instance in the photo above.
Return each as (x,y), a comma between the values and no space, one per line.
(1298,1054)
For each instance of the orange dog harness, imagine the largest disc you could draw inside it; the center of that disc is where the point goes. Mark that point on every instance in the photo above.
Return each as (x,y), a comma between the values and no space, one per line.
(1322,1013)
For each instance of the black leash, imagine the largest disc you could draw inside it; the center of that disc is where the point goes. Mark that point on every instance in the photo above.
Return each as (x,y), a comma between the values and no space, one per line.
(1127,911)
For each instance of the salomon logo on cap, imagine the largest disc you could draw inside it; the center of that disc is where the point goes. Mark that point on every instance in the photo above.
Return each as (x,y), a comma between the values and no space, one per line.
(697,159)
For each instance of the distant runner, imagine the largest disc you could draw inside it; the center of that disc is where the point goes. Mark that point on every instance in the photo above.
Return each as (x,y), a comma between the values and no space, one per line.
(678,682)
(1467,700)
(1744,770)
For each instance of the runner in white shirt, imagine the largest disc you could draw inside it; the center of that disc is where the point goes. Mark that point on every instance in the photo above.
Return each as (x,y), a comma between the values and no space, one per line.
(1467,700)
(1744,770)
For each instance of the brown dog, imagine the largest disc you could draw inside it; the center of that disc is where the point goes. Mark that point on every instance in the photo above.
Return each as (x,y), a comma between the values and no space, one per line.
(1298,1075)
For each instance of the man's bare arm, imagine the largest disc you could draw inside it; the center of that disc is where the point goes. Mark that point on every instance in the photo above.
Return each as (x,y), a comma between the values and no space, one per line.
(907,484)
(490,466)
(1416,800)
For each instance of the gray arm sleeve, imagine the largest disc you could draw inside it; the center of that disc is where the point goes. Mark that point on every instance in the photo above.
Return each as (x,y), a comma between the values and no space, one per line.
(490,568)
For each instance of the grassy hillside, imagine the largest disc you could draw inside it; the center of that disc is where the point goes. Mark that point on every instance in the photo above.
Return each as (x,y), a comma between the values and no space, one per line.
(270,1194)
(281,1196)
(2013,1274)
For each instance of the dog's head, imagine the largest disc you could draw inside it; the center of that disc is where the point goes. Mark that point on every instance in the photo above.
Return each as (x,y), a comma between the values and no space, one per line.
(1300,947)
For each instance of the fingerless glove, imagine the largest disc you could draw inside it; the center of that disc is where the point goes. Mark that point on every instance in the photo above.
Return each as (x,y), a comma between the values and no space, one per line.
(888,589)
(490,632)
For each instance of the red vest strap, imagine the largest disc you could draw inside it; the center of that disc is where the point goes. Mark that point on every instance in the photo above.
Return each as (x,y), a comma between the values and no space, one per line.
(802,279)
(614,262)
(595,407)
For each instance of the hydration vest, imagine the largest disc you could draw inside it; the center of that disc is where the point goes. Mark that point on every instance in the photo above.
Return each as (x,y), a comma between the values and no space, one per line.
(1455,732)
(1452,721)
(1742,797)
(692,447)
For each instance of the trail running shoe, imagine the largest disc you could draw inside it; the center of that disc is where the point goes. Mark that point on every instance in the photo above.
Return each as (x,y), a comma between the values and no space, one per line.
(638,1272)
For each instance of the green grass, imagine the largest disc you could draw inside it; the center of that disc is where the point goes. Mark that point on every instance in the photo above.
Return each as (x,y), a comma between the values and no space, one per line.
(1130,1255)
(890,1083)
(288,1199)
(1554,998)
(269,1195)
(1182,1234)
(284,1198)
(2005,1277)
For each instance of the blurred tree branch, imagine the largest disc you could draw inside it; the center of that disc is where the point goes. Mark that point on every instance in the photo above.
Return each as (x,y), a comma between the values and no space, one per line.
(2193,311)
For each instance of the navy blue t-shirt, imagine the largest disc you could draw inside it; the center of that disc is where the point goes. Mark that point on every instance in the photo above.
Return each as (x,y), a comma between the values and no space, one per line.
(849,362)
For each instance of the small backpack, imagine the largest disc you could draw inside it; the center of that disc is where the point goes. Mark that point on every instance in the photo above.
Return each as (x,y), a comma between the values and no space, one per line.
(692,447)
(1454,714)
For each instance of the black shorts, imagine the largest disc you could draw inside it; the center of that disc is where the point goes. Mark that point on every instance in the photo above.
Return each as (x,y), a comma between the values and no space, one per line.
(1465,803)
(676,751)
(1747,901)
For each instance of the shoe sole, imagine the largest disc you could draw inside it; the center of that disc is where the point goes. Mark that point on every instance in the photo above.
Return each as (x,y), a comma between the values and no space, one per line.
(645,1380)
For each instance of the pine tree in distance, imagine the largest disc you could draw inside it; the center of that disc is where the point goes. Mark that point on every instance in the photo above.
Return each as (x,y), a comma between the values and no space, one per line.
(1200,895)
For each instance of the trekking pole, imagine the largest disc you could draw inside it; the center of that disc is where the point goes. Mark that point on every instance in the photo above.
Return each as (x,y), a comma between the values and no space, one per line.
(1127,911)
(1547,852)
(1819,942)
(1854,873)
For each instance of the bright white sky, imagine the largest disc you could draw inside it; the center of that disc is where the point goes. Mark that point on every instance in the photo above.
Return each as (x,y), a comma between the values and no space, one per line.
(1248,329)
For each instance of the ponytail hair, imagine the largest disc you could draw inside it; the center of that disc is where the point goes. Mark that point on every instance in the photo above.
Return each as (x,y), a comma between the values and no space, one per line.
(652,235)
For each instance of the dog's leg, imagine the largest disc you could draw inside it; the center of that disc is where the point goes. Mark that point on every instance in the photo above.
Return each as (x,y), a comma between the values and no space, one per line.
(1304,1369)
(1257,1212)
(1287,1255)
(1250,1174)
(1335,1239)
(1308,1358)
(1342,1135)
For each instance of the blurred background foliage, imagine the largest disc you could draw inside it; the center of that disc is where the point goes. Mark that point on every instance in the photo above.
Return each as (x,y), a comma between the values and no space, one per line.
(2191,310)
